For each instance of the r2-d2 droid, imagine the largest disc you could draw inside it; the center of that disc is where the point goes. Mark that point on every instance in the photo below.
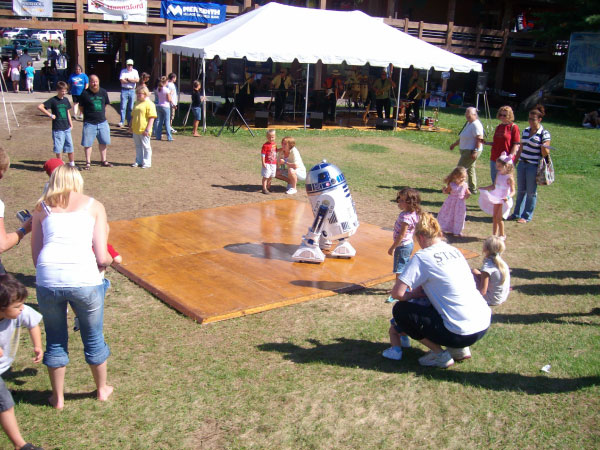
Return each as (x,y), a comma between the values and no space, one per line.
(335,215)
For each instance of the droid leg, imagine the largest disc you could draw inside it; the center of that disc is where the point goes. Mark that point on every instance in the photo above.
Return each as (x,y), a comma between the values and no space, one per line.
(309,250)
(344,250)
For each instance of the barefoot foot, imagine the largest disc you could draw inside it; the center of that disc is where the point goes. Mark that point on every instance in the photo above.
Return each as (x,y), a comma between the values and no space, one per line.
(105,392)
(56,403)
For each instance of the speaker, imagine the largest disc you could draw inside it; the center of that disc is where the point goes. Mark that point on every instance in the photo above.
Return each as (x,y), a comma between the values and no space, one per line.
(384,124)
(316,120)
(482,80)
(261,119)
(234,71)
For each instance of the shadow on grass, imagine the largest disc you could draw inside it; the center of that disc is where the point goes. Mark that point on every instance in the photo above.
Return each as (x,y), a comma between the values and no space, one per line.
(517,272)
(41,397)
(559,318)
(558,289)
(352,353)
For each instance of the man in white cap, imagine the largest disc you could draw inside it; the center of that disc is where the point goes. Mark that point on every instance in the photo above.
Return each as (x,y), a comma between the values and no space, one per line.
(128,78)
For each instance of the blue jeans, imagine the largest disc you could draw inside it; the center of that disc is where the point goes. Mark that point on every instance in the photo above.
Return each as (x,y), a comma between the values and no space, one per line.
(493,171)
(526,191)
(88,304)
(401,256)
(164,119)
(127,99)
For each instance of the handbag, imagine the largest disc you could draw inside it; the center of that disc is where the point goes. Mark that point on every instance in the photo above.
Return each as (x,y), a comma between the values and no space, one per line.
(545,171)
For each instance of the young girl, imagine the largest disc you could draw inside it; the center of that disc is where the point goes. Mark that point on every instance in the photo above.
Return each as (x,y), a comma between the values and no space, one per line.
(409,202)
(495,199)
(454,210)
(196,106)
(493,280)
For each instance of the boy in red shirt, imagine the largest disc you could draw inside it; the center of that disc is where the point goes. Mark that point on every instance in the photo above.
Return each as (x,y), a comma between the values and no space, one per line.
(269,161)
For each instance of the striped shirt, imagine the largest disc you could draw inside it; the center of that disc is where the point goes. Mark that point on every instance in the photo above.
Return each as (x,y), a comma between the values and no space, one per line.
(532,145)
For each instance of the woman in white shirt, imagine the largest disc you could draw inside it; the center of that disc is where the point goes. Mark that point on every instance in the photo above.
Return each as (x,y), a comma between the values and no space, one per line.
(68,245)
(457,315)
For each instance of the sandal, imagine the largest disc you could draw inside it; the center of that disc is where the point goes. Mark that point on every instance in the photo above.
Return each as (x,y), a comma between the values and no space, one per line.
(87,166)
(105,164)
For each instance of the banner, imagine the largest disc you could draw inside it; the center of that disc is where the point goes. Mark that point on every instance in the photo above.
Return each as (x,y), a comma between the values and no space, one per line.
(33,8)
(120,10)
(583,63)
(193,12)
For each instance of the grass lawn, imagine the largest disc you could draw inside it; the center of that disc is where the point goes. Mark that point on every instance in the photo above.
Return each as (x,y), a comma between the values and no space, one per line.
(311,376)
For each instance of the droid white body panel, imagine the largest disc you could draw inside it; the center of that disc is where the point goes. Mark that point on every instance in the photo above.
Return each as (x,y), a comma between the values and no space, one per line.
(334,213)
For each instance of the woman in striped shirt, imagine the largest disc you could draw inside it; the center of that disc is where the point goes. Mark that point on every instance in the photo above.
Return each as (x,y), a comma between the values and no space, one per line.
(535,143)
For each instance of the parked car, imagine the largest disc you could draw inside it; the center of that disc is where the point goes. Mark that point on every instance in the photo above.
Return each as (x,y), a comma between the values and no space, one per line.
(33,46)
(49,35)
(12,34)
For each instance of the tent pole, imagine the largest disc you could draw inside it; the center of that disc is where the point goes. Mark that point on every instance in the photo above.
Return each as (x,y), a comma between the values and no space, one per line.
(306,95)
(203,97)
(398,100)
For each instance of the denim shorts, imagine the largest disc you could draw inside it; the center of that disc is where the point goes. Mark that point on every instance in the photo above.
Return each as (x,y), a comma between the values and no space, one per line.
(92,131)
(63,142)
(401,256)
(87,303)
(197,110)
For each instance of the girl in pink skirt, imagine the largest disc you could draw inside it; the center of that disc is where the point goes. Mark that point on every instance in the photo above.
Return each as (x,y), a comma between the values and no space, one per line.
(454,210)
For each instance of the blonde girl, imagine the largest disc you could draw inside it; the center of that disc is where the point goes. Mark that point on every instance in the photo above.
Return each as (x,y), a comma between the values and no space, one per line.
(454,210)
(493,280)
(496,199)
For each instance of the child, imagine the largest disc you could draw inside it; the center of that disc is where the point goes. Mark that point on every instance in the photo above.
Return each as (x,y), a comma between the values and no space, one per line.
(495,199)
(269,161)
(141,124)
(57,108)
(197,100)
(29,74)
(14,314)
(454,210)
(493,281)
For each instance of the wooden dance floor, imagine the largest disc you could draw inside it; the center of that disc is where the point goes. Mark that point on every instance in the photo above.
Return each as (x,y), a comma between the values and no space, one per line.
(220,263)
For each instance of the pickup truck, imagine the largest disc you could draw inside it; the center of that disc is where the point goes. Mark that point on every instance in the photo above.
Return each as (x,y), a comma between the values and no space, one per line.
(33,46)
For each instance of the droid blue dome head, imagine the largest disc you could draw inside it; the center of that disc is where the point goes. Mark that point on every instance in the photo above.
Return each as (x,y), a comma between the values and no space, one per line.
(324,177)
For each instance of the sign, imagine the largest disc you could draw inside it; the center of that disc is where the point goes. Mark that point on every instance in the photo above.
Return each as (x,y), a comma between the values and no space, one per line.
(120,10)
(193,12)
(33,8)
(583,63)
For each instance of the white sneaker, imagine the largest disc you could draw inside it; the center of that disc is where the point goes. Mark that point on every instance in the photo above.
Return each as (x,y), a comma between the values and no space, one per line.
(291,191)
(394,353)
(432,359)
(459,354)
(404,341)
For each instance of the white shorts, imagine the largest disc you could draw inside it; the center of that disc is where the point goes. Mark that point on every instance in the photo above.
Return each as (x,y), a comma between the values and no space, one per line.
(269,170)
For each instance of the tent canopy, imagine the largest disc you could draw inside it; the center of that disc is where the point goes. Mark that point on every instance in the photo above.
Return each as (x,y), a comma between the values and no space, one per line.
(284,33)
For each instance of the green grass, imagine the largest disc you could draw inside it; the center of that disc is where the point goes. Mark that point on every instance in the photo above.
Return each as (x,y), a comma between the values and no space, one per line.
(311,376)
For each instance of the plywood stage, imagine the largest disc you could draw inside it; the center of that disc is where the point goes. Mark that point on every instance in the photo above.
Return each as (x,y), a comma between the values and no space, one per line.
(216,264)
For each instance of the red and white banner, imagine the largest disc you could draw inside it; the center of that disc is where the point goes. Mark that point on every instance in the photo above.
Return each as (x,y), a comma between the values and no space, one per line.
(120,10)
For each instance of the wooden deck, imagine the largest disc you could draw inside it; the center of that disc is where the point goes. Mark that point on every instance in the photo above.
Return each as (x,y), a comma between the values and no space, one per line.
(216,264)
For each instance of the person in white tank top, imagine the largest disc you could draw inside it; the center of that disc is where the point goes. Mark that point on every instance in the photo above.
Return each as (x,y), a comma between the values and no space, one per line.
(68,245)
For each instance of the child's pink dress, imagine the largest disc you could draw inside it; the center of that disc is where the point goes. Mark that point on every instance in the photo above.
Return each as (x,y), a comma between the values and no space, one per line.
(454,210)
(487,199)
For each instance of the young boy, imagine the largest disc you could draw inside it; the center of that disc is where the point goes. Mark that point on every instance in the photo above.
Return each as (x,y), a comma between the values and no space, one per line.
(14,314)
(269,161)
(30,74)
(58,109)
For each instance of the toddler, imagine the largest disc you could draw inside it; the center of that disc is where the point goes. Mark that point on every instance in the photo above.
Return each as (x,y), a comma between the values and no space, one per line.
(493,280)
(14,315)
(269,161)
(496,199)
(454,210)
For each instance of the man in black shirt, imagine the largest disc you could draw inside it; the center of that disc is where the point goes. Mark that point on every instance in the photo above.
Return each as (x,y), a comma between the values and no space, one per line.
(57,108)
(92,102)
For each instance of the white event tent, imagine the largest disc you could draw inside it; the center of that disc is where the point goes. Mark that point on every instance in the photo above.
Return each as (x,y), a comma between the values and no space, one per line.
(284,33)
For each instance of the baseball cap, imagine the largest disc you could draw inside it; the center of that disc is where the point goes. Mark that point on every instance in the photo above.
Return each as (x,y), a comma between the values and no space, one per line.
(52,164)
(129,62)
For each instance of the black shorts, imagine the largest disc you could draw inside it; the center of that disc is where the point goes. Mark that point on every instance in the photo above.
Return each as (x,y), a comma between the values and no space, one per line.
(6,400)
(421,322)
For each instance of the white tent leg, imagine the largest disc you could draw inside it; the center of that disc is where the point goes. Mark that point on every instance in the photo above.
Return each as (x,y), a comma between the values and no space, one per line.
(203,96)
(306,95)
(398,100)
